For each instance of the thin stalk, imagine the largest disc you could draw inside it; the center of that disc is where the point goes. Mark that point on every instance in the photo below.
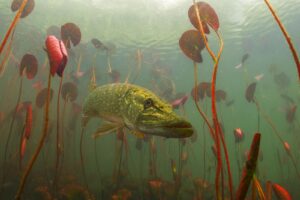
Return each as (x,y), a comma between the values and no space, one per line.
(81,159)
(211,130)
(40,145)
(57,133)
(286,36)
(12,25)
(10,132)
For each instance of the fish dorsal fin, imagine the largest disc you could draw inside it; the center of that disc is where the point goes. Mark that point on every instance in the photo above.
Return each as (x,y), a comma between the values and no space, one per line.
(106,128)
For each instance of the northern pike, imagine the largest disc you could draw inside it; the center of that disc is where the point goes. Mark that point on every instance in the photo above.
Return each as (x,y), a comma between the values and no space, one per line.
(123,105)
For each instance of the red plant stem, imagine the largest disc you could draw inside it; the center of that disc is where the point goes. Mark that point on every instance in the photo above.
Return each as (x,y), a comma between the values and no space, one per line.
(211,130)
(57,132)
(40,145)
(287,37)
(7,54)
(12,25)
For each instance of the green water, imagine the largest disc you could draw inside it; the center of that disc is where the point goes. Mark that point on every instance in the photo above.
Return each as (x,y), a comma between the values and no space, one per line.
(154,28)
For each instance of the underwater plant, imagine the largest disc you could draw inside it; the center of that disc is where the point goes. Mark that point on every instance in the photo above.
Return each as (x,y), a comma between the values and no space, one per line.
(28,66)
(58,57)
(249,168)
(202,16)
(286,36)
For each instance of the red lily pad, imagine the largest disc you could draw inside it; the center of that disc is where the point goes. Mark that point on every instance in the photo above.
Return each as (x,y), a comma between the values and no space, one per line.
(16,4)
(250,92)
(207,15)
(30,63)
(42,96)
(191,44)
(70,32)
(69,91)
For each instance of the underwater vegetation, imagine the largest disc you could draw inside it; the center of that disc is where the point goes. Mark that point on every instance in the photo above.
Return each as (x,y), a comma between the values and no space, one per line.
(150,135)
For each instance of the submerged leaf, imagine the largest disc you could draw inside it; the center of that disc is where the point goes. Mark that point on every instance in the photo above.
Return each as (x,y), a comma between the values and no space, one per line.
(249,95)
(207,15)
(30,63)
(42,96)
(70,32)
(191,44)
(15,5)
(69,91)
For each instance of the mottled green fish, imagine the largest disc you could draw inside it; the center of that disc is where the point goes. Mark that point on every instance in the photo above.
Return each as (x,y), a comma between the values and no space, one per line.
(138,109)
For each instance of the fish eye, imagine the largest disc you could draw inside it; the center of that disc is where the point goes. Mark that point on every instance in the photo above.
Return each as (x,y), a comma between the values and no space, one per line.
(148,103)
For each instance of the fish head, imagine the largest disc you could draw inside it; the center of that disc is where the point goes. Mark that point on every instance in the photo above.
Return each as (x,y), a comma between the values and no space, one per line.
(156,117)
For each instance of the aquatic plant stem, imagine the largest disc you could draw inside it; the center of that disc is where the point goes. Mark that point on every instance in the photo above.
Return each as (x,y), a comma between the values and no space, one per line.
(12,25)
(57,132)
(81,159)
(203,115)
(10,133)
(269,121)
(40,145)
(7,55)
(287,37)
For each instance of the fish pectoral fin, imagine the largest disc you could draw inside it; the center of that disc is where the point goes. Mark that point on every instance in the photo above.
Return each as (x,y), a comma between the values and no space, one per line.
(105,128)
(138,134)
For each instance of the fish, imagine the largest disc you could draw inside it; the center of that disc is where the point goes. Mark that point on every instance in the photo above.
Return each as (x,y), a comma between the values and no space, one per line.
(123,105)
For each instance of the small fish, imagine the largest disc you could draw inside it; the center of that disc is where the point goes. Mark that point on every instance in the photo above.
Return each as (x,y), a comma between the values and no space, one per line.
(179,101)
(238,66)
(135,108)
(259,77)
(238,135)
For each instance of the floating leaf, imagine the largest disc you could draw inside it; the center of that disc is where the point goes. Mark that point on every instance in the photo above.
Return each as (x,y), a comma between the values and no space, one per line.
(69,91)
(250,92)
(42,96)
(207,15)
(70,32)
(30,63)
(15,5)
(191,44)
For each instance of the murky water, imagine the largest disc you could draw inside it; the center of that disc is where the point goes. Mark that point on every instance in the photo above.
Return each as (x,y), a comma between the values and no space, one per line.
(140,41)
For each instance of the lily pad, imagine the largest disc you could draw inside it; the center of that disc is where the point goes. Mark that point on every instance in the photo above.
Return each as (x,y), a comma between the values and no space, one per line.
(30,64)
(207,15)
(70,32)
(42,96)
(16,4)
(250,92)
(191,44)
(69,91)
